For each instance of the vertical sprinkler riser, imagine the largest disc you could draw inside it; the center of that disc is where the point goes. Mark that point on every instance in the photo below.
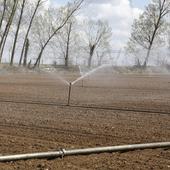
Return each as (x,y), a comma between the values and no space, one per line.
(82,85)
(69,94)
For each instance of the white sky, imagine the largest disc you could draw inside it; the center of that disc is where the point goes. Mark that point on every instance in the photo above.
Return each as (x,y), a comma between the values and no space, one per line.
(119,13)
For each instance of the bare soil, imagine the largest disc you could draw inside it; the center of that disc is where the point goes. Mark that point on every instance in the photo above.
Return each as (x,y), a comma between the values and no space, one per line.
(105,110)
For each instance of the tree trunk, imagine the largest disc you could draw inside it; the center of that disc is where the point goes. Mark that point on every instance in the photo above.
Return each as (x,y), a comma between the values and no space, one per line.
(66,62)
(3,13)
(37,62)
(138,63)
(28,30)
(92,48)
(9,22)
(68,45)
(26,53)
(89,61)
(17,31)
(2,48)
(147,57)
(29,64)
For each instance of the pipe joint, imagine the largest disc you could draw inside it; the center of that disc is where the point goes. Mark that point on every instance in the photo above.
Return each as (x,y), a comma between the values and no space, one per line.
(62,151)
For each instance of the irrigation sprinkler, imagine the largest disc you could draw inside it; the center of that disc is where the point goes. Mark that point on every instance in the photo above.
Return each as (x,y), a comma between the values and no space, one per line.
(70,84)
(69,94)
(81,78)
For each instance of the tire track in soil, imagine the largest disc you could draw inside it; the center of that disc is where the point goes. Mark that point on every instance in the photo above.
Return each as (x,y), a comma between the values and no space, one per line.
(112,108)
(33,139)
(61,131)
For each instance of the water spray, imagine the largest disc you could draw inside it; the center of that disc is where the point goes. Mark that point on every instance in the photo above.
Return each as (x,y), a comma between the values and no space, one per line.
(69,94)
(82,79)
(89,73)
(70,84)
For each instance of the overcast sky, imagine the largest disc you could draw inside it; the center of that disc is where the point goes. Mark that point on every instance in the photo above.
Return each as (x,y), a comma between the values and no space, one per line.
(136,3)
(119,13)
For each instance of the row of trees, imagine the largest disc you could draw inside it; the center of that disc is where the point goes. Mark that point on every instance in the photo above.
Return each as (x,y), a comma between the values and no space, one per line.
(149,31)
(30,30)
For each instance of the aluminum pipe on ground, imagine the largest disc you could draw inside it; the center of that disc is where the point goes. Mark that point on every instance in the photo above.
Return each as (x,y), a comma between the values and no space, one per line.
(86,151)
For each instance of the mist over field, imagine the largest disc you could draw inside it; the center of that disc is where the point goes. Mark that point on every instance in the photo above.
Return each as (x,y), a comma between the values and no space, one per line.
(84,84)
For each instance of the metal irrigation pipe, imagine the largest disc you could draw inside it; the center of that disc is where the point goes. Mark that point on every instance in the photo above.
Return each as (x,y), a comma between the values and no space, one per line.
(82,83)
(69,94)
(87,151)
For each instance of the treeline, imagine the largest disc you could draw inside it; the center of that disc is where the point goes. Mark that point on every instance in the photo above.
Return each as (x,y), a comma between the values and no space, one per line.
(29,30)
(151,32)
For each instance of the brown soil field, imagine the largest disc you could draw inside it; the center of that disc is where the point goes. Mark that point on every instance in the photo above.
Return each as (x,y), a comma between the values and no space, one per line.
(105,110)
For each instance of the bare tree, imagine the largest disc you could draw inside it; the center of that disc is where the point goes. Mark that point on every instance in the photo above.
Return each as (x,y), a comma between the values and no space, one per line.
(17,31)
(97,35)
(3,13)
(103,53)
(147,30)
(7,26)
(39,2)
(136,51)
(68,11)
(67,41)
